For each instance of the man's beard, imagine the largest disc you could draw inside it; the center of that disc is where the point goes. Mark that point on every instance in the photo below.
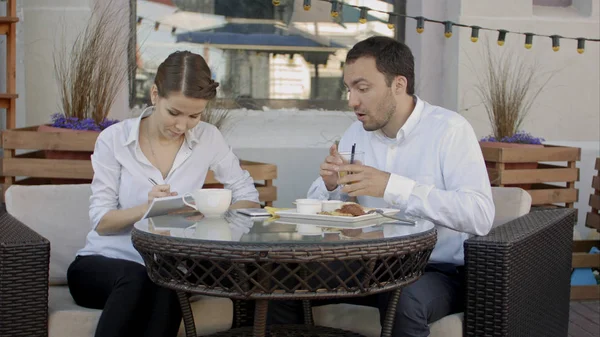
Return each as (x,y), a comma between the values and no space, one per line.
(388,106)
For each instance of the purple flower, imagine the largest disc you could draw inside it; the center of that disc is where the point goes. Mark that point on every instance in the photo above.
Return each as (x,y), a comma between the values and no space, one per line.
(73,123)
(520,137)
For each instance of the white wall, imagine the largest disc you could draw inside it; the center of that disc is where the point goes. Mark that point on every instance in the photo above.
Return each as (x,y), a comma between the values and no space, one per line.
(568,109)
(43,27)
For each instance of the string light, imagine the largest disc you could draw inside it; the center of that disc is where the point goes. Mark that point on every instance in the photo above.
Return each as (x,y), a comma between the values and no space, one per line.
(306,5)
(475,33)
(501,37)
(363,15)
(448,29)
(391,21)
(528,40)
(335,9)
(555,42)
(580,45)
(420,24)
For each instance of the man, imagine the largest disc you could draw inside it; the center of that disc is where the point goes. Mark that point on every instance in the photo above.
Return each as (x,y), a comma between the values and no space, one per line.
(422,159)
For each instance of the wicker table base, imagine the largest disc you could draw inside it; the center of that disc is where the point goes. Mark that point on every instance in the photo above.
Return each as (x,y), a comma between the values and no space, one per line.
(265,271)
(290,330)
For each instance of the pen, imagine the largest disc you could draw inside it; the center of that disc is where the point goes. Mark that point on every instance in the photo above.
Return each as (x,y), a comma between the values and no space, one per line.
(152,181)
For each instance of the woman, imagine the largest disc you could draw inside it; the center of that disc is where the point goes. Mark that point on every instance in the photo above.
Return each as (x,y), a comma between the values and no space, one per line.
(170,145)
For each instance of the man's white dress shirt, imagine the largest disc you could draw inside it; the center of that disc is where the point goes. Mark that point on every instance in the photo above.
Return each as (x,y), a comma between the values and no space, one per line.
(437,172)
(121,172)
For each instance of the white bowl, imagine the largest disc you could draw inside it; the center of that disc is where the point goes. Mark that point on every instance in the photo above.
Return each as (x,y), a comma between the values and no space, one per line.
(331,205)
(308,206)
(211,202)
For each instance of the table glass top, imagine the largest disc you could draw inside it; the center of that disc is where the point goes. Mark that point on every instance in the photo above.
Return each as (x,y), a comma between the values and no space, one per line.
(236,227)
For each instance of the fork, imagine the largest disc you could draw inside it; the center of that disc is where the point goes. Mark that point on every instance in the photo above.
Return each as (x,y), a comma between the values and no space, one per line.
(404,220)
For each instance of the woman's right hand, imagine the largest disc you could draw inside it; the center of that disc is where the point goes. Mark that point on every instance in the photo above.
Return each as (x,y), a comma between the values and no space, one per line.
(160,191)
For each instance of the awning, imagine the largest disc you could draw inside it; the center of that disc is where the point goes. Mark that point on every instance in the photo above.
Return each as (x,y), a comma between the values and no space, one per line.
(170,16)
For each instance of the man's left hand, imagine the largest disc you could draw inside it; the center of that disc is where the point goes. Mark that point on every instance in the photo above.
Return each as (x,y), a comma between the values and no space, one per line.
(364,180)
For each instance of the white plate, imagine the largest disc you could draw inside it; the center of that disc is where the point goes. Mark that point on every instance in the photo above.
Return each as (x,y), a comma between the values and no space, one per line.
(292,214)
(330,224)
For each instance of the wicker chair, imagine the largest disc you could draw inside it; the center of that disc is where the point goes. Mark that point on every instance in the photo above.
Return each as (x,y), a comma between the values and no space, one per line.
(517,277)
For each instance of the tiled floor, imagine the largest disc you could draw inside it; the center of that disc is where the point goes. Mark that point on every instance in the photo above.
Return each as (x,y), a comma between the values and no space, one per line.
(584,320)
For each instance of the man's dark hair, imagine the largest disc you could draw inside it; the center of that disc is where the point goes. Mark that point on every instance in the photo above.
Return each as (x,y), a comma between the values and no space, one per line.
(392,58)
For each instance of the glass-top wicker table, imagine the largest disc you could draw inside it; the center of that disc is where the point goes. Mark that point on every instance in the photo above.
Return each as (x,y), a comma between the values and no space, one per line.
(263,259)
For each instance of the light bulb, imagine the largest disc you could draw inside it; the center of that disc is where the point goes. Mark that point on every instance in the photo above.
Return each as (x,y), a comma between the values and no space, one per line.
(447,29)
(580,45)
(474,33)
(528,40)
(555,42)
(363,15)
(420,24)
(335,10)
(501,37)
(391,21)
(306,5)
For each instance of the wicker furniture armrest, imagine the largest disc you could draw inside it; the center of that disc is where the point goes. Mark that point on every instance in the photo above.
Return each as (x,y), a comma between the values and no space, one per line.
(518,277)
(24,268)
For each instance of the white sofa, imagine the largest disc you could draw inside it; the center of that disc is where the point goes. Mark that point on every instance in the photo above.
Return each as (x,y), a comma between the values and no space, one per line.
(60,214)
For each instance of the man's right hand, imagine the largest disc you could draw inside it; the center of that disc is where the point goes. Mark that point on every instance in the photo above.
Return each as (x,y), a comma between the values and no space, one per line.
(328,168)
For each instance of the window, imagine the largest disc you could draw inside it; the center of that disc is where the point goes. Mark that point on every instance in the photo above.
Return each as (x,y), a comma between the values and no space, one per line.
(257,50)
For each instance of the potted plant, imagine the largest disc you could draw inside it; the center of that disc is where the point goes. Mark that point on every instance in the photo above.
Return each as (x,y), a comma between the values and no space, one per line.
(507,87)
(90,73)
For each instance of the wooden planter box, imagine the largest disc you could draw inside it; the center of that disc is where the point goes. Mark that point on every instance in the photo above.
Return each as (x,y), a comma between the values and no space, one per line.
(583,259)
(35,168)
(581,256)
(550,183)
(592,219)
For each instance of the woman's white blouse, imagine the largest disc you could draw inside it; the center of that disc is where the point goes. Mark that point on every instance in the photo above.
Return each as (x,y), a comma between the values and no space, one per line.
(121,172)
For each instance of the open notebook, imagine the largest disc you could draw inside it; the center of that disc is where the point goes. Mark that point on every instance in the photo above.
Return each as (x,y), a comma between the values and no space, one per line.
(167,205)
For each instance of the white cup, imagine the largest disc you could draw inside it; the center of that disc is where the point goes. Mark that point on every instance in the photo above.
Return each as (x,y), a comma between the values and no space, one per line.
(214,229)
(211,202)
(308,206)
(331,205)
(308,229)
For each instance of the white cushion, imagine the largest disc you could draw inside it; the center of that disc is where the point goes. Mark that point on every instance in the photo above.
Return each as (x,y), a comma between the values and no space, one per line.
(211,315)
(449,326)
(58,213)
(510,203)
(65,318)
(355,318)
